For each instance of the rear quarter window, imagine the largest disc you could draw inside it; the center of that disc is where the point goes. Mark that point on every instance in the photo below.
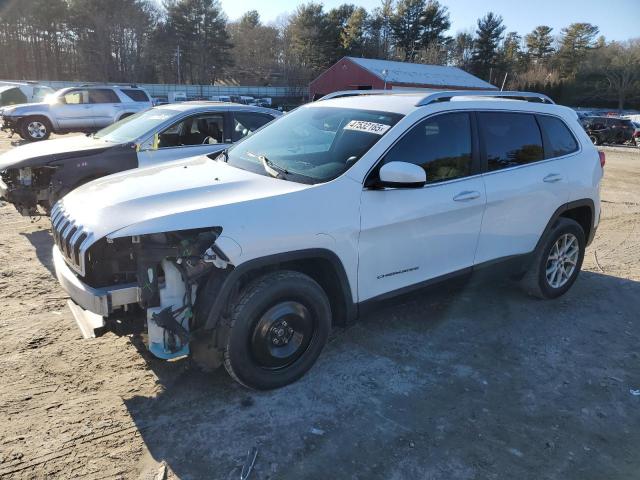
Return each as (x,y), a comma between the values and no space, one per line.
(559,140)
(135,95)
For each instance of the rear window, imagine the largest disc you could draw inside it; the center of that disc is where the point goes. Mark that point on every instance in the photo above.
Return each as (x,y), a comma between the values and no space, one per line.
(135,95)
(560,139)
(511,139)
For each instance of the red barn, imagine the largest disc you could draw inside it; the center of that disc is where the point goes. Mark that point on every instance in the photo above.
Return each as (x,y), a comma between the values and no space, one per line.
(352,73)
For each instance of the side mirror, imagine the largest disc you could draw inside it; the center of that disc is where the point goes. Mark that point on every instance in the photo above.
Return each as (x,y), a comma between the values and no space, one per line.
(402,175)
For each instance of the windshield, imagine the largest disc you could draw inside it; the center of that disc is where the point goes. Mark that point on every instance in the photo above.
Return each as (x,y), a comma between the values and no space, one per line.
(312,144)
(131,128)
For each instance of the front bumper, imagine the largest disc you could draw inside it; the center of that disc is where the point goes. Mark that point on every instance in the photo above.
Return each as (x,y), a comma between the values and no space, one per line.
(24,198)
(10,123)
(4,190)
(100,301)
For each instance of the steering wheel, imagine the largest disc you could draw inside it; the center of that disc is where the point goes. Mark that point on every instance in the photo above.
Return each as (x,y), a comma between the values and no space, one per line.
(209,141)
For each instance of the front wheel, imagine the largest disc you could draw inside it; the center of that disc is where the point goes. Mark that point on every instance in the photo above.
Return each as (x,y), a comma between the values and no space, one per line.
(557,262)
(279,326)
(35,129)
(594,139)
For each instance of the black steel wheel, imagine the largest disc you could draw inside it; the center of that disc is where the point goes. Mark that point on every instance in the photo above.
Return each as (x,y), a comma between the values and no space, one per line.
(279,326)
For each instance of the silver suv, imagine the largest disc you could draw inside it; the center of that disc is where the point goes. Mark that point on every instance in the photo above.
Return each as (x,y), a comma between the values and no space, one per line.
(75,109)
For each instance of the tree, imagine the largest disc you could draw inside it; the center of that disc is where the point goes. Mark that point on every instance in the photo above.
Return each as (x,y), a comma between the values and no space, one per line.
(575,41)
(485,50)
(199,28)
(380,30)
(461,50)
(435,22)
(310,42)
(539,44)
(512,52)
(354,33)
(619,64)
(406,24)
(255,50)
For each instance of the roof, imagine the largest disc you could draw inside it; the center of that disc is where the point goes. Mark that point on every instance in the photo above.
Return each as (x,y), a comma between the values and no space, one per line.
(401,103)
(196,105)
(405,103)
(419,74)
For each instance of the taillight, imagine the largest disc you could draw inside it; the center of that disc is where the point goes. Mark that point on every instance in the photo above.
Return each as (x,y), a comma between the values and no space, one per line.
(603,159)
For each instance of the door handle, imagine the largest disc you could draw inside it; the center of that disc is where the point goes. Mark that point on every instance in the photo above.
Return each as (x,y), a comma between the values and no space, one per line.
(552,178)
(466,196)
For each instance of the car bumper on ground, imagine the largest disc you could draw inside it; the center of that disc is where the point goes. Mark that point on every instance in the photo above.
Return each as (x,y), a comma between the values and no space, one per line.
(90,305)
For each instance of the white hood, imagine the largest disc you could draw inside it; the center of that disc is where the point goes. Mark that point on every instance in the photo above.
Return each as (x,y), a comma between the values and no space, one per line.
(188,189)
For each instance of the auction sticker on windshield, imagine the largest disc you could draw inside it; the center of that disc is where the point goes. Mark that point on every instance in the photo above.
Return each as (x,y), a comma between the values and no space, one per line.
(369,127)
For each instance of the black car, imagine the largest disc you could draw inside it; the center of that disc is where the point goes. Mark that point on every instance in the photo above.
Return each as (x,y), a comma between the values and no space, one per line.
(608,130)
(38,174)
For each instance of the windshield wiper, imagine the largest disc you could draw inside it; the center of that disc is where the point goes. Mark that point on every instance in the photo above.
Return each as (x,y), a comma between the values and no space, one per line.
(270,167)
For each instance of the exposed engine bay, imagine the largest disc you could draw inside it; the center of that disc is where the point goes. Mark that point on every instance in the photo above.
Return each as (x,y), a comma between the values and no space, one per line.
(169,270)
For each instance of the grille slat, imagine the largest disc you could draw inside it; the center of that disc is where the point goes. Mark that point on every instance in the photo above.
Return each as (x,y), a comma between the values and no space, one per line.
(71,239)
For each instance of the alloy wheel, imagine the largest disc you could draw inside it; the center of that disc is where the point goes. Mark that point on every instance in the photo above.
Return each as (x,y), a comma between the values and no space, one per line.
(36,129)
(562,260)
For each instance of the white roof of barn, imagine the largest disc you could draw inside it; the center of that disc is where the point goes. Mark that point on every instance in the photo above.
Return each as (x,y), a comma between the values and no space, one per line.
(419,74)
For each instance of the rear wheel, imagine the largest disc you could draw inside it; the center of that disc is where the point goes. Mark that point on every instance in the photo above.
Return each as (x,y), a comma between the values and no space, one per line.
(279,326)
(557,262)
(35,129)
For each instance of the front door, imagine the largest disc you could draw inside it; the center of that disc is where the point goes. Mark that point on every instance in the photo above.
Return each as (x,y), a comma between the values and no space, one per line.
(74,110)
(412,235)
(200,134)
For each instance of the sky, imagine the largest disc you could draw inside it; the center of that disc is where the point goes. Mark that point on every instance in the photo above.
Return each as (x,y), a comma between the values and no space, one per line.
(617,19)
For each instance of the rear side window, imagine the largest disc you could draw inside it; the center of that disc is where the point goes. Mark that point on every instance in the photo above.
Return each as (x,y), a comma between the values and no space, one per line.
(440,144)
(245,123)
(510,139)
(12,96)
(560,139)
(103,96)
(135,95)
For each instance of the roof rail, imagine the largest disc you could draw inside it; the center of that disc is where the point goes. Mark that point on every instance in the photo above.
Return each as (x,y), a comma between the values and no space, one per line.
(354,93)
(447,96)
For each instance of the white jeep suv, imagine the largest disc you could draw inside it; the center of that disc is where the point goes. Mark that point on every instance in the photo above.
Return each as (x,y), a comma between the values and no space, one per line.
(249,258)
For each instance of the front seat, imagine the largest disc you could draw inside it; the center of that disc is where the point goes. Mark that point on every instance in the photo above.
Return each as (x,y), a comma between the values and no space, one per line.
(215,133)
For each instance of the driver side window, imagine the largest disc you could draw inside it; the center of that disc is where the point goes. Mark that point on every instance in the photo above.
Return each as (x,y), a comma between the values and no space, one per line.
(203,129)
(76,97)
(441,145)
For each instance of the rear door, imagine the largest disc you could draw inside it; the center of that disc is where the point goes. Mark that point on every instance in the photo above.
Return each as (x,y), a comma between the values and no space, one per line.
(104,106)
(526,180)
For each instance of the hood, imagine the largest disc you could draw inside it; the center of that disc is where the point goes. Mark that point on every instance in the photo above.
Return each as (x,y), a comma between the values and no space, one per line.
(195,185)
(25,108)
(42,153)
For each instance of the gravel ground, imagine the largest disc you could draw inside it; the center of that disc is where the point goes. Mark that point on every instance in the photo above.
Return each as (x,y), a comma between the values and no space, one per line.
(473,382)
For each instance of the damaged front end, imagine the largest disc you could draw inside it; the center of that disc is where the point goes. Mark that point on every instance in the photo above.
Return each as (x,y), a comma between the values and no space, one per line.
(27,188)
(149,282)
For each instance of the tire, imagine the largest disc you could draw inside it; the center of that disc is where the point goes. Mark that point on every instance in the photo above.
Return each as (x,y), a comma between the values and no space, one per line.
(594,139)
(35,129)
(536,281)
(278,328)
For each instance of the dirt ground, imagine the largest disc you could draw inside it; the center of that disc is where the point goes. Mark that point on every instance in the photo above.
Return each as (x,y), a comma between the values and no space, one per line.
(476,382)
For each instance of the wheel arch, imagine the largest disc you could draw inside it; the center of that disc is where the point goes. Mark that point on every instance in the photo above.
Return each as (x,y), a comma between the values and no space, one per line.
(582,211)
(322,265)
